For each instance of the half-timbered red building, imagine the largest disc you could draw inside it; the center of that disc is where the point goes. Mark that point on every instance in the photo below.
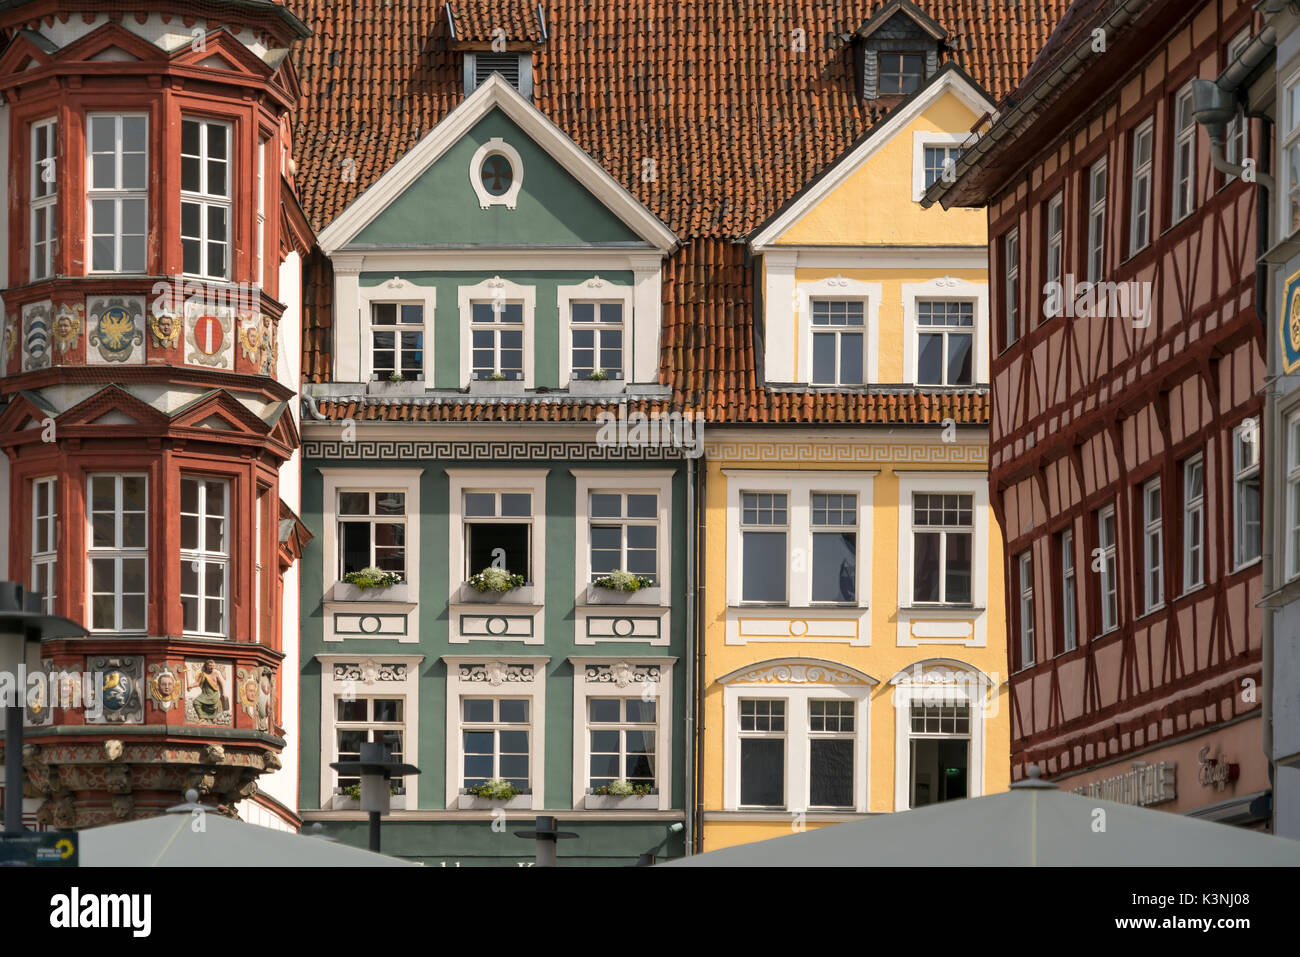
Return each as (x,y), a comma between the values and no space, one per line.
(147,393)
(1128,365)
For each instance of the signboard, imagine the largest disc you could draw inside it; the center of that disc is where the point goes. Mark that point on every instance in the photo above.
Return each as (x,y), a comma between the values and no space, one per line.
(1145,785)
(1289,324)
(43,849)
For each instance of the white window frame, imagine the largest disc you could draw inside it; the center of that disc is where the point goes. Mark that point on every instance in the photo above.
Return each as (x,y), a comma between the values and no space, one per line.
(495,289)
(337,480)
(44,174)
(940,289)
(1097,191)
(651,481)
(585,686)
(205,556)
(921,141)
(207,200)
(1054,262)
(45,540)
(117,194)
(595,290)
(908,505)
(532,481)
(1153,562)
(784,528)
(1289,135)
(1193,522)
(371,519)
(939,681)
(395,290)
(837,333)
(857,687)
(116,553)
(843,288)
(1025,583)
(1141,174)
(1010,241)
(465,686)
(1245,468)
(396,327)
(1069,594)
(1183,164)
(1108,580)
(405,685)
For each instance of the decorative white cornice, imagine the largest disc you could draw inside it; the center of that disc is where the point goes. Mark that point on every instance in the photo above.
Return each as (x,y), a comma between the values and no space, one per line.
(814,671)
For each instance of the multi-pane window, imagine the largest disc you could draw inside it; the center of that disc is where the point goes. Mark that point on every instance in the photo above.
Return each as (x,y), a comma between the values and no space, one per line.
(1055,241)
(118,196)
(497,340)
(44,540)
(834,546)
(498,532)
(1026,569)
(1153,577)
(1069,613)
(1096,219)
(1236,146)
(205,198)
(762,752)
(1140,188)
(205,554)
(372,531)
(44,198)
(1193,523)
(597,334)
(940,752)
(942,543)
(899,72)
(1109,571)
(830,752)
(1245,489)
(495,738)
(624,533)
(1011,286)
(945,343)
(937,159)
(368,720)
(1184,155)
(838,327)
(261,209)
(621,733)
(118,554)
(764,527)
(397,340)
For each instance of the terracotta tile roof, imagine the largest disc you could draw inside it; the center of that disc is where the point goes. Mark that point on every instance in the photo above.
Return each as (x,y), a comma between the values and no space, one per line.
(476,19)
(735,121)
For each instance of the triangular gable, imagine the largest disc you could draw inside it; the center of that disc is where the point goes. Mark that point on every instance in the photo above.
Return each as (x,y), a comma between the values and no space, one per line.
(111,399)
(284,429)
(221,51)
(950,80)
(496,95)
(106,38)
(900,8)
(218,409)
(25,410)
(26,51)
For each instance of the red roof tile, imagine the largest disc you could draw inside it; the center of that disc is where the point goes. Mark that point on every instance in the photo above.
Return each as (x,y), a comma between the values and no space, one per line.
(735,120)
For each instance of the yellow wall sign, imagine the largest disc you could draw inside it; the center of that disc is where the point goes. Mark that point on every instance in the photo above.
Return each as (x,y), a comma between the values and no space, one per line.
(1289,324)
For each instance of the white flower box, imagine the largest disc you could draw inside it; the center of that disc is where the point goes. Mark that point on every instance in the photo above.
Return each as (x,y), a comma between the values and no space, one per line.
(596,387)
(472,802)
(523,595)
(397,593)
(650,595)
(342,802)
(614,802)
(496,387)
(387,387)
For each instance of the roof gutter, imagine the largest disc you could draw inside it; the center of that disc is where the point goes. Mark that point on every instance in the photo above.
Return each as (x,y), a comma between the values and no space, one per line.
(1006,123)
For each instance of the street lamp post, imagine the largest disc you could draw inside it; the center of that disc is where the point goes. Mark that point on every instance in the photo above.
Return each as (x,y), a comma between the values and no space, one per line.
(547,838)
(376,768)
(23,623)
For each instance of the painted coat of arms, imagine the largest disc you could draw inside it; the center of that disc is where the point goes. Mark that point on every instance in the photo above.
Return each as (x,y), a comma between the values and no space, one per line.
(36,336)
(209,338)
(118,684)
(115,328)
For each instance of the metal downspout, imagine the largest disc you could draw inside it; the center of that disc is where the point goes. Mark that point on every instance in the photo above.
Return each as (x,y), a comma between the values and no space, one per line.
(692,640)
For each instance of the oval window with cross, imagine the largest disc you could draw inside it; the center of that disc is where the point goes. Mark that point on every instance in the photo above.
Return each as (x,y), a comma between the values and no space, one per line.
(496,174)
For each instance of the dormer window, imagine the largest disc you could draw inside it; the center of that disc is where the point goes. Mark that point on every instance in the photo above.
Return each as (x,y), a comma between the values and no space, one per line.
(515,68)
(900,73)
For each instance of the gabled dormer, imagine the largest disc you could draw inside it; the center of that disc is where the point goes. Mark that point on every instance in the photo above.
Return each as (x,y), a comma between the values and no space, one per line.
(500,41)
(896,51)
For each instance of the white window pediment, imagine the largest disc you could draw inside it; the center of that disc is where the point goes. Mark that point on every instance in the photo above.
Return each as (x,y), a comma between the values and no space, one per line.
(840,288)
(598,291)
(398,291)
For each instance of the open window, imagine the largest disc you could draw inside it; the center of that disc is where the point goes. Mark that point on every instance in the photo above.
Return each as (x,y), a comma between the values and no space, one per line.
(499,531)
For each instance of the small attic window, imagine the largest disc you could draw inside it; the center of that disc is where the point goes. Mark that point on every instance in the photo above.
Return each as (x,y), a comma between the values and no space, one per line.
(515,68)
(900,72)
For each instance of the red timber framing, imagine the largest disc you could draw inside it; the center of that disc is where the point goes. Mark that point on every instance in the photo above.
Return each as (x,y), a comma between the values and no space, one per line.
(1088,410)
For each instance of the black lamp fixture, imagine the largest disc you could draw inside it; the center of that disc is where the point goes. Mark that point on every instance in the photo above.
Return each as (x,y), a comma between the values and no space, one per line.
(376,768)
(23,623)
(546,836)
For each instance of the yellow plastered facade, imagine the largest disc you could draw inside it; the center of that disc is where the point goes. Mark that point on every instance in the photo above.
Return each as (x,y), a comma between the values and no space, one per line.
(895,462)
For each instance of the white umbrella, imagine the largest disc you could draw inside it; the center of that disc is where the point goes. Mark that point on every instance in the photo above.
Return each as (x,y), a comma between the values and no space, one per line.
(1032,825)
(191,835)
